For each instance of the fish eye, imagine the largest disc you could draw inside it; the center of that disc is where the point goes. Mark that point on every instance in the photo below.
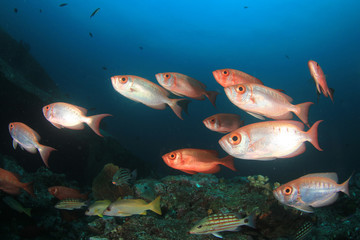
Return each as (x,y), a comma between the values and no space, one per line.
(225,72)
(212,120)
(123,79)
(11,125)
(172,156)
(240,89)
(108,209)
(235,139)
(200,226)
(288,190)
(47,107)
(167,75)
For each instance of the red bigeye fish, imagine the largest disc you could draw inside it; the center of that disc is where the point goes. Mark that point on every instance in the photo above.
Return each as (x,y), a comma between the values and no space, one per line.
(61,193)
(312,190)
(142,90)
(259,100)
(65,115)
(182,85)
(320,80)
(28,139)
(223,122)
(229,77)
(270,140)
(11,184)
(197,161)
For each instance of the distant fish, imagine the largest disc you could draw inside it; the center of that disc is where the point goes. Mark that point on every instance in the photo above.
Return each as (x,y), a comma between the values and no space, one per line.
(63,5)
(246,7)
(15,10)
(28,139)
(10,183)
(141,48)
(104,68)
(70,204)
(216,223)
(97,208)
(229,77)
(304,231)
(182,85)
(311,190)
(61,193)
(66,115)
(123,176)
(223,122)
(129,207)
(16,205)
(90,34)
(320,79)
(96,10)
(40,10)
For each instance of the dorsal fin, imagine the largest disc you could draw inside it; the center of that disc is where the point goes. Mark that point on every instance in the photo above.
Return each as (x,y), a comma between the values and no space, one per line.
(330,175)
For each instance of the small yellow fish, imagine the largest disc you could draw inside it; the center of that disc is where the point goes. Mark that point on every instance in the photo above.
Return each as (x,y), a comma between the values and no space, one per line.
(97,208)
(129,207)
(70,204)
(16,205)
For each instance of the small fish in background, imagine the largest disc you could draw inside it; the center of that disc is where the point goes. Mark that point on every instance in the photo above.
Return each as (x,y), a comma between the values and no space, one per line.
(223,122)
(61,193)
(311,190)
(97,208)
(15,10)
(141,48)
(287,56)
(228,77)
(40,10)
(124,176)
(129,207)
(16,205)
(270,140)
(10,183)
(104,68)
(65,115)
(216,223)
(320,79)
(148,93)
(90,34)
(70,204)
(246,7)
(261,101)
(93,14)
(194,161)
(182,85)
(304,232)
(28,139)
(63,5)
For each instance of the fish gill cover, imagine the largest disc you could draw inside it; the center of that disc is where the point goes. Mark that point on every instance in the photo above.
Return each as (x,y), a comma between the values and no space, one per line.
(68,51)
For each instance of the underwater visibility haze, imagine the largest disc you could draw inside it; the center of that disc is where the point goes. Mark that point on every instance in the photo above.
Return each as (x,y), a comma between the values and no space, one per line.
(179,119)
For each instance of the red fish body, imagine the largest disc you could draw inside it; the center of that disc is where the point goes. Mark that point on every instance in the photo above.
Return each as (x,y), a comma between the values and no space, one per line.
(182,85)
(229,77)
(223,122)
(259,100)
(28,139)
(320,80)
(197,161)
(11,184)
(269,140)
(65,115)
(312,190)
(61,193)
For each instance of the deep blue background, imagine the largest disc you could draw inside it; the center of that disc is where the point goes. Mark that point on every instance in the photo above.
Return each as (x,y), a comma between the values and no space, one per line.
(271,40)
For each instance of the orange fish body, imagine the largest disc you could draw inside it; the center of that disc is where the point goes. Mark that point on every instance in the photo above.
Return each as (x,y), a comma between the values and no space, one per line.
(223,122)
(312,190)
(269,140)
(65,115)
(320,80)
(11,184)
(61,193)
(182,85)
(197,161)
(148,93)
(28,139)
(259,100)
(229,77)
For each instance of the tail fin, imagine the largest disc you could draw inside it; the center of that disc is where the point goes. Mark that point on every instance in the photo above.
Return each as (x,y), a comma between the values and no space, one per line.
(45,153)
(313,135)
(211,95)
(177,105)
(331,93)
(27,211)
(28,187)
(94,122)
(302,111)
(228,162)
(155,205)
(345,186)
(250,220)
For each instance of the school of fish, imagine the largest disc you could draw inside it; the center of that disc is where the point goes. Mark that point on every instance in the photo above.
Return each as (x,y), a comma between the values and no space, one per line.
(280,137)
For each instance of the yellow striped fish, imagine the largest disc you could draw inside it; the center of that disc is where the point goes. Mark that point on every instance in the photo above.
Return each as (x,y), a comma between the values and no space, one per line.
(70,204)
(216,223)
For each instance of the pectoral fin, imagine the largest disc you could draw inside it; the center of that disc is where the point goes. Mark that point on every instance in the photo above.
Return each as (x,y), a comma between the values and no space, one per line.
(258,116)
(217,235)
(304,208)
(14,144)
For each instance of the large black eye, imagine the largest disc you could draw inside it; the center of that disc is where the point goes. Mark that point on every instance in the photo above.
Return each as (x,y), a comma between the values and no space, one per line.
(200,226)
(108,209)
(167,75)
(225,72)
(212,120)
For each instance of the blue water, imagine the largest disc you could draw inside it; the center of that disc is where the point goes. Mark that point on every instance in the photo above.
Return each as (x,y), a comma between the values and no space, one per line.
(271,40)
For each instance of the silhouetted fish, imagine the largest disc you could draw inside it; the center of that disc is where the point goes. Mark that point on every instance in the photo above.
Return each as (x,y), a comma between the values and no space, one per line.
(141,48)
(246,7)
(15,10)
(287,56)
(63,5)
(40,10)
(105,68)
(90,34)
(96,10)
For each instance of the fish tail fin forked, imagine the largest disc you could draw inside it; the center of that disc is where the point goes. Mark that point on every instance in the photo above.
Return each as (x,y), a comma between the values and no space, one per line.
(155,205)
(45,153)
(94,122)
(28,187)
(177,105)
(211,95)
(345,186)
(331,93)
(250,220)
(228,162)
(302,111)
(313,135)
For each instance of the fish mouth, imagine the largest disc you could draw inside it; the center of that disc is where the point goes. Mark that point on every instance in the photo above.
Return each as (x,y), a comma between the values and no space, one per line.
(227,92)
(224,145)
